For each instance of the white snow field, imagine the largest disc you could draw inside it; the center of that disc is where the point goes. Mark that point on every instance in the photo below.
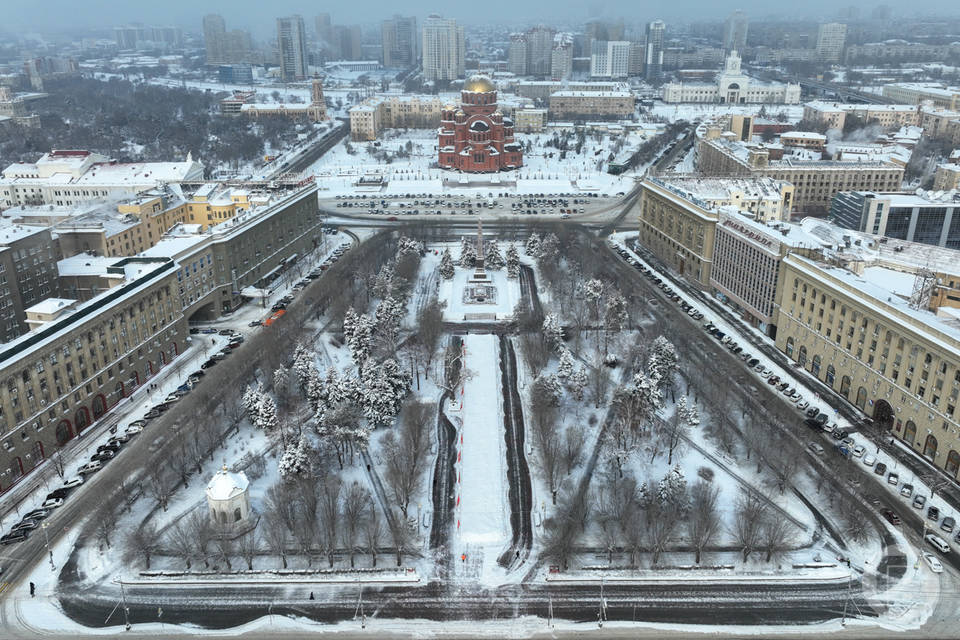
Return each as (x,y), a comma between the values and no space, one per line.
(482,523)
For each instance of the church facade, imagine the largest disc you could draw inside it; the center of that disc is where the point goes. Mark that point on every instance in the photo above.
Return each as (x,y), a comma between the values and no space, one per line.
(733,86)
(476,137)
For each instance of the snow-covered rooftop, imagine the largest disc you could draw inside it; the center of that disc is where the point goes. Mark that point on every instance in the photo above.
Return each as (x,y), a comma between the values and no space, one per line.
(225,485)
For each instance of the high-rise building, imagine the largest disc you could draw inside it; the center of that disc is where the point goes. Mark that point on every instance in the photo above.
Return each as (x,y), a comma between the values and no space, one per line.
(831,38)
(324,29)
(653,61)
(539,50)
(292,46)
(349,42)
(399,42)
(610,59)
(443,49)
(561,58)
(214,34)
(517,54)
(735,32)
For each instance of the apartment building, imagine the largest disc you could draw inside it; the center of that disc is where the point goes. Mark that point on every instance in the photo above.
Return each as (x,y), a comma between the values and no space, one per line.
(66,177)
(947,177)
(292,48)
(831,40)
(373,115)
(442,49)
(603,105)
(919,92)
(82,358)
(929,218)
(897,364)
(834,114)
(28,275)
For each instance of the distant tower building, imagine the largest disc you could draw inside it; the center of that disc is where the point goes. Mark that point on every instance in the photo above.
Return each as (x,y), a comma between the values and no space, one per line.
(735,32)
(561,58)
(635,65)
(443,49)
(539,50)
(831,38)
(214,37)
(292,45)
(399,40)
(318,106)
(517,54)
(610,59)
(653,61)
(349,41)
(324,28)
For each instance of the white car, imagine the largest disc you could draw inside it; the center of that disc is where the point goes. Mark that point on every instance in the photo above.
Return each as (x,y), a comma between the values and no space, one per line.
(816,447)
(932,562)
(767,373)
(937,543)
(75,481)
(52,503)
(802,405)
(858,451)
(869,460)
(133,430)
(90,467)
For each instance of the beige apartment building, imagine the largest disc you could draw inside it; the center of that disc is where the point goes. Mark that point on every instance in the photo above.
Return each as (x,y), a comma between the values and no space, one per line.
(947,177)
(920,92)
(368,119)
(815,181)
(604,105)
(529,120)
(834,114)
(82,358)
(897,365)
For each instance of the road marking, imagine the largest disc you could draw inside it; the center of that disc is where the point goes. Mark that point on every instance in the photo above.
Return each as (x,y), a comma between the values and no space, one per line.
(3,587)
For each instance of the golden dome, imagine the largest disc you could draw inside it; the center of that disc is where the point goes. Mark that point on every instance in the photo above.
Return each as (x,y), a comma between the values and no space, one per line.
(478,84)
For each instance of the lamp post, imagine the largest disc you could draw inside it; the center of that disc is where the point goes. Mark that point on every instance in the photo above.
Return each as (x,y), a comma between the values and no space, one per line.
(46,542)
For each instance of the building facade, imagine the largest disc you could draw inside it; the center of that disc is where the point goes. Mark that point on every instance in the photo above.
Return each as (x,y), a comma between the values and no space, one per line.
(292,48)
(831,40)
(443,49)
(610,59)
(28,275)
(732,87)
(653,60)
(927,219)
(400,40)
(898,366)
(476,137)
(602,105)
(373,115)
(938,95)
(67,373)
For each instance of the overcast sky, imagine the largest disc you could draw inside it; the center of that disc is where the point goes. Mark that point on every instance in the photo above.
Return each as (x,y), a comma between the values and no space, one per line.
(258,16)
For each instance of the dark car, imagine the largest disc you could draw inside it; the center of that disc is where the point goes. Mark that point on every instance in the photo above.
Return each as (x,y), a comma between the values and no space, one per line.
(813,424)
(880,469)
(103,456)
(14,536)
(812,413)
(110,446)
(891,517)
(933,513)
(62,492)
(208,364)
(822,419)
(839,434)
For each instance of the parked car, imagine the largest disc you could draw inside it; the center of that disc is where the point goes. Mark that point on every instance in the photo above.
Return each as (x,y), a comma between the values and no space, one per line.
(75,481)
(90,467)
(937,542)
(14,536)
(891,517)
(880,469)
(919,500)
(62,492)
(816,447)
(25,525)
(893,479)
(37,514)
(822,418)
(932,562)
(933,513)
(948,524)
(906,490)
(869,460)
(858,451)
(103,456)
(52,503)
(133,430)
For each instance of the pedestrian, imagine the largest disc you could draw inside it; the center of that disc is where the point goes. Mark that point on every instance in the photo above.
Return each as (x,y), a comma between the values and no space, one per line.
(33,589)
(368,468)
(518,554)
(311,595)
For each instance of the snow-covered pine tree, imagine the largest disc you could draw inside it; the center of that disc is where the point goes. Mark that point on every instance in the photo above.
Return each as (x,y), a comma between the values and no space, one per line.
(663,361)
(565,368)
(532,247)
(251,401)
(549,386)
(578,382)
(295,460)
(316,389)
(552,331)
(446,265)
(266,413)
(672,490)
(492,258)
(593,292)
(281,379)
(549,248)
(303,365)
(349,324)
(359,341)
(615,313)
(383,283)
(468,253)
(513,262)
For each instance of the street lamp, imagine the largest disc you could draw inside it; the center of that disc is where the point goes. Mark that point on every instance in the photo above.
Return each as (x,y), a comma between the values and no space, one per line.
(46,541)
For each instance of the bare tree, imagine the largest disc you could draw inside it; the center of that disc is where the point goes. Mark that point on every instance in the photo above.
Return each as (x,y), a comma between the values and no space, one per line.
(201,534)
(330,511)
(106,517)
(143,542)
(573,444)
(159,485)
(275,534)
(704,516)
(355,502)
(180,540)
(248,544)
(536,351)
(429,330)
(224,545)
(406,452)
(662,521)
(784,459)
(747,521)
(776,535)
(372,530)
(400,534)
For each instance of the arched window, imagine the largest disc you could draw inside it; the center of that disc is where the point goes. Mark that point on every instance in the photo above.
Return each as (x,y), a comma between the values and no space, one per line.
(236,514)
(930,447)
(789,347)
(64,432)
(16,469)
(831,374)
(81,418)
(99,406)
(36,453)
(802,356)
(953,463)
(909,432)
(845,386)
(815,366)
(861,398)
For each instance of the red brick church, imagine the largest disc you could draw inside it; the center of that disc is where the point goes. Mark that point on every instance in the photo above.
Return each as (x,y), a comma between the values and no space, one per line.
(476,138)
